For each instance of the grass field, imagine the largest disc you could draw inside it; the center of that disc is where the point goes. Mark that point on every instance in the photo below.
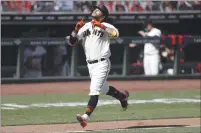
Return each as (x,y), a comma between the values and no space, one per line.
(60,108)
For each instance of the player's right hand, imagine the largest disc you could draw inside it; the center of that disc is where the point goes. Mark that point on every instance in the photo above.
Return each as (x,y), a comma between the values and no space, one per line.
(79,25)
(97,23)
(142,33)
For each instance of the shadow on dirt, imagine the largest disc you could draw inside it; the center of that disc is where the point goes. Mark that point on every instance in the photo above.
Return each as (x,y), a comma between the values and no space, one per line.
(145,126)
(155,126)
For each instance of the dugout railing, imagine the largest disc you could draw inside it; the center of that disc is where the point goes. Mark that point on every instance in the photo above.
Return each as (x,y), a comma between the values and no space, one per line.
(177,41)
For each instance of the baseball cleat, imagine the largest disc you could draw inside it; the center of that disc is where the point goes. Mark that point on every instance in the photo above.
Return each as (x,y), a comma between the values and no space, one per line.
(124,102)
(81,120)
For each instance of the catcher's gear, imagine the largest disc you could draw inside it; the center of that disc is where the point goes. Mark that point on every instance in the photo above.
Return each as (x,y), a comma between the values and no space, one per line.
(79,25)
(97,23)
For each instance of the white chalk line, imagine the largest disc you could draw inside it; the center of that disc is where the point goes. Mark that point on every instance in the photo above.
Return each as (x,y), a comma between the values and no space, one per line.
(14,106)
(7,108)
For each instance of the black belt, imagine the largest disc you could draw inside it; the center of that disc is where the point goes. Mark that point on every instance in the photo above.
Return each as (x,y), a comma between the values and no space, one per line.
(96,61)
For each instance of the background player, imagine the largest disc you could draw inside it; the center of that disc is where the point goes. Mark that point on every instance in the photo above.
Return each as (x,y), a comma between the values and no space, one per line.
(95,38)
(151,51)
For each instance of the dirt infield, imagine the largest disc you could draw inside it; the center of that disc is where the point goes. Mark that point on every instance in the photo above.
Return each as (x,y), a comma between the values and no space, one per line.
(61,128)
(73,87)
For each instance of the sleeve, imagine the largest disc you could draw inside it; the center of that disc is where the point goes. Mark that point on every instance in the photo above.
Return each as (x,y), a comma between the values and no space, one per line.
(75,37)
(111,26)
(80,33)
(40,51)
(158,33)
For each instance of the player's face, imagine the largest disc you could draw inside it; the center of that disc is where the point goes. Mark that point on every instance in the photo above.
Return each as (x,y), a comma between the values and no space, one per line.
(97,14)
(149,27)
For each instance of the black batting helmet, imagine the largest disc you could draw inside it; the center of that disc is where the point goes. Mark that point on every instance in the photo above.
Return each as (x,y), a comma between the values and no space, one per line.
(103,9)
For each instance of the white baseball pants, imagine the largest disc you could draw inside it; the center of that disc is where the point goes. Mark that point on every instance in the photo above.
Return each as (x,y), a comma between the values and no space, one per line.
(98,73)
(151,64)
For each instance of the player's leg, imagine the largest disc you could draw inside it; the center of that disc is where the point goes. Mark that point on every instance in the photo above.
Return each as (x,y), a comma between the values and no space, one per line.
(121,96)
(98,73)
(112,91)
(92,103)
(154,65)
(146,65)
(94,96)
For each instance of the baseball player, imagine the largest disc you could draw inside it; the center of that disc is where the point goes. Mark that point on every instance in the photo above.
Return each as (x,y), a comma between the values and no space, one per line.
(151,51)
(95,38)
(33,56)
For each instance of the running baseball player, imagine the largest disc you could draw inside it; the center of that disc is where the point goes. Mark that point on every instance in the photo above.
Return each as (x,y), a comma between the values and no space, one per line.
(151,51)
(95,37)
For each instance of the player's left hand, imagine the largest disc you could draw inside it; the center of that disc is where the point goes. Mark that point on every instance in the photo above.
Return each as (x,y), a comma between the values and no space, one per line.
(98,24)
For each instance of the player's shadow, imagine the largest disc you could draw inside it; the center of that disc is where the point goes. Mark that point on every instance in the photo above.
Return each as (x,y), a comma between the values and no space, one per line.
(148,126)
(155,126)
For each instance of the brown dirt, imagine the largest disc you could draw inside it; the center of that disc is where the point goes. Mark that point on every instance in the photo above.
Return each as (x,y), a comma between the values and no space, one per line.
(74,87)
(61,128)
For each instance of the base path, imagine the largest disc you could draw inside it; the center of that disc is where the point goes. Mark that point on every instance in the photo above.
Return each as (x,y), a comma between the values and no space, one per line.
(63,128)
(83,86)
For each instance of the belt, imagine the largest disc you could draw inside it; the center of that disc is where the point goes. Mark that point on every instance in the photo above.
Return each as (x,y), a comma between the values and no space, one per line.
(96,61)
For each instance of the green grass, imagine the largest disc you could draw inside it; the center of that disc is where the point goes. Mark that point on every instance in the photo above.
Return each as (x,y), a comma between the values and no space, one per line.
(102,113)
(47,98)
(161,130)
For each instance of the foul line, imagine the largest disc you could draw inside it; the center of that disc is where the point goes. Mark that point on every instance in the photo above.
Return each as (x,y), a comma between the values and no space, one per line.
(14,106)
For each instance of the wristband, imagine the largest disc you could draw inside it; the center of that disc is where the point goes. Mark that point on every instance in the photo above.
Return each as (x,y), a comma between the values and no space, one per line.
(74,34)
(114,33)
(104,27)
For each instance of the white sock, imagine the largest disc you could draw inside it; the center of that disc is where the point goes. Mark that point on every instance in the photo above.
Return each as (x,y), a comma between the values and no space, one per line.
(85,116)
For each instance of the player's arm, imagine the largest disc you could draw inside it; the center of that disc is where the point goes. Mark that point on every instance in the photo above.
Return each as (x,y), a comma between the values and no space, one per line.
(112,32)
(142,33)
(73,38)
(76,33)
(158,33)
(110,29)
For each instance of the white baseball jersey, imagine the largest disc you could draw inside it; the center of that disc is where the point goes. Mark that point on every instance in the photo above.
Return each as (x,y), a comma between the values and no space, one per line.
(150,48)
(95,41)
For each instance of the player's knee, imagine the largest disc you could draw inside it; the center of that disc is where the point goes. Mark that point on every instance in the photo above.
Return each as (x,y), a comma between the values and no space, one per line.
(92,93)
